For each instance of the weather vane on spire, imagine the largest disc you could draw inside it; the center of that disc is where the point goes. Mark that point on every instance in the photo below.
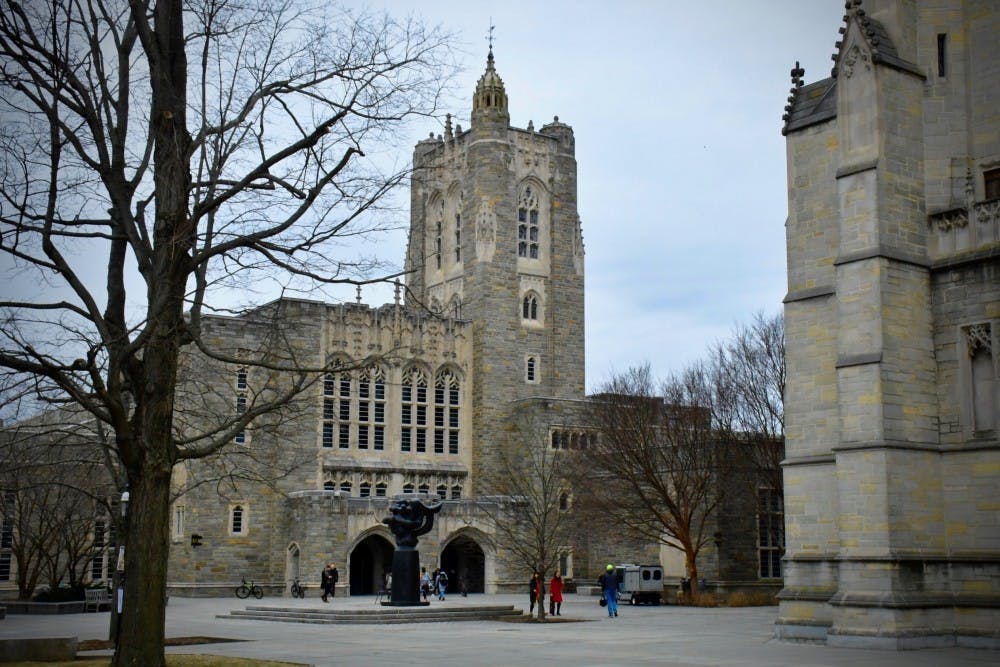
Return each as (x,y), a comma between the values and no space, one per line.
(489,38)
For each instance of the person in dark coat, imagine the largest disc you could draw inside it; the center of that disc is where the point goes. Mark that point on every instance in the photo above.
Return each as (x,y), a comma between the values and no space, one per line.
(324,582)
(536,591)
(334,578)
(609,588)
(328,580)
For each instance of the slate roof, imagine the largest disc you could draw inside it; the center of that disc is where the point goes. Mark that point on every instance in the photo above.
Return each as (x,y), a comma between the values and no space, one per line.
(817,102)
(812,104)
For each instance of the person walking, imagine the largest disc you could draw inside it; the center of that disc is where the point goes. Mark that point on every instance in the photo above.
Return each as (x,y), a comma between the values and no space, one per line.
(425,583)
(324,582)
(609,588)
(441,583)
(555,595)
(536,592)
(334,578)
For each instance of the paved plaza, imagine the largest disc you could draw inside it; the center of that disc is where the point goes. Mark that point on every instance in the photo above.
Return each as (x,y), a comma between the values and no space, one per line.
(665,635)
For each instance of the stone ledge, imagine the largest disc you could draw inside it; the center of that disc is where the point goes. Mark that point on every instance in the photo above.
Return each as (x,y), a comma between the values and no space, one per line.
(38,649)
(24,607)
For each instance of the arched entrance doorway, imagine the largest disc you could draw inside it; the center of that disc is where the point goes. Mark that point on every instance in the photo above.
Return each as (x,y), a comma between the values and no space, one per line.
(464,561)
(370,560)
(292,562)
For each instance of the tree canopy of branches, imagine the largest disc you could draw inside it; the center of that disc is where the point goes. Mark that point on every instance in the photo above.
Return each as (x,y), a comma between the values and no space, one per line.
(529,517)
(155,152)
(49,517)
(668,452)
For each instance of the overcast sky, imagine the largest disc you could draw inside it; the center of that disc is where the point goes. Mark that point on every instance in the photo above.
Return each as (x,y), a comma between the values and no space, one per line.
(676,108)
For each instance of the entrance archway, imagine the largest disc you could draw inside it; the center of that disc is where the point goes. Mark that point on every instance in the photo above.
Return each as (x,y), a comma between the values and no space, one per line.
(292,562)
(464,561)
(370,560)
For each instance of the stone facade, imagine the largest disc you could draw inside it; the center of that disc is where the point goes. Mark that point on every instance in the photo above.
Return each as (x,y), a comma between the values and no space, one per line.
(892,325)
(424,395)
(492,318)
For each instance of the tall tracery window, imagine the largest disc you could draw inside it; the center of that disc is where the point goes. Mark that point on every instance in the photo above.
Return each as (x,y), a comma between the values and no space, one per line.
(241,403)
(529,307)
(458,228)
(438,224)
(770,532)
(336,429)
(446,412)
(413,419)
(371,409)
(527,224)
(979,344)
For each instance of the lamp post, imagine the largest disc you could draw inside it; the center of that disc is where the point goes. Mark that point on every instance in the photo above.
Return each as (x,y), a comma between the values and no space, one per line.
(118,578)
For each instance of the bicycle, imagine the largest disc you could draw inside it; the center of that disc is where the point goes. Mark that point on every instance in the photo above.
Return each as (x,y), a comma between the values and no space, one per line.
(245,590)
(298,590)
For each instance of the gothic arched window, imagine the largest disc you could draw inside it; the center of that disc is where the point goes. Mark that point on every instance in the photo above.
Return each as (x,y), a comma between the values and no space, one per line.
(438,224)
(446,412)
(336,429)
(529,307)
(527,225)
(413,434)
(241,403)
(371,408)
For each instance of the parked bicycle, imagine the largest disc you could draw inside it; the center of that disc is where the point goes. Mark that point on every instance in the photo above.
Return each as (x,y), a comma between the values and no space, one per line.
(245,590)
(298,590)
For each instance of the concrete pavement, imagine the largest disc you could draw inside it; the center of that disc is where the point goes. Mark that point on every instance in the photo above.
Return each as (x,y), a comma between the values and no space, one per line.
(666,635)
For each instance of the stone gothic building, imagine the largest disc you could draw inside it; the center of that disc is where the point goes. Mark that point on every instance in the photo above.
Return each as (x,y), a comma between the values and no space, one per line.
(492,322)
(429,394)
(893,331)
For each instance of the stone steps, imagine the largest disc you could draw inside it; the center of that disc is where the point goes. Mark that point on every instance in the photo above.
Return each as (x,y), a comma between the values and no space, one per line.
(379,615)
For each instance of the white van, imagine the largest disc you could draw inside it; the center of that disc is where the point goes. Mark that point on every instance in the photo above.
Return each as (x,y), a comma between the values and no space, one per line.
(640,583)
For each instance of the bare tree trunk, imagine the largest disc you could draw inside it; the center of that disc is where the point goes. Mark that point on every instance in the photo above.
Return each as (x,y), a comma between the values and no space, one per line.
(144,612)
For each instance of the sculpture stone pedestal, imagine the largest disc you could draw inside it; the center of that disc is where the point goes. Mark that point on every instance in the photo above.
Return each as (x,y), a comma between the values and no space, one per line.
(411,517)
(405,579)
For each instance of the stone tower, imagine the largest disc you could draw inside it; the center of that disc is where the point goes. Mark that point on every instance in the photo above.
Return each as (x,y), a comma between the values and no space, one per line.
(892,322)
(495,239)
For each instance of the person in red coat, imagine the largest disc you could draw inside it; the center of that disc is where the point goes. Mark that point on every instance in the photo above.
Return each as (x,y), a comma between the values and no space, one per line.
(555,595)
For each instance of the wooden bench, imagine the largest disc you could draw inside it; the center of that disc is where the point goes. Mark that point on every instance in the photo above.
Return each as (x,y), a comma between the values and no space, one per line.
(96,598)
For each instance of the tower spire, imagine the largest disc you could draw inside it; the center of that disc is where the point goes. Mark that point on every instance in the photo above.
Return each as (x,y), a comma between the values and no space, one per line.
(490,99)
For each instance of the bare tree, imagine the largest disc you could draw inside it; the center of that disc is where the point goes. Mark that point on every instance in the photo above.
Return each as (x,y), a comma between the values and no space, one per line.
(530,517)
(186,147)
(748,398)
(49,513)
(654,468)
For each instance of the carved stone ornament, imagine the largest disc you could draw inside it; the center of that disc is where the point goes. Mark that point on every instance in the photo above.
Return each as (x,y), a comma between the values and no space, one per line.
(978,337)
(854,54)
